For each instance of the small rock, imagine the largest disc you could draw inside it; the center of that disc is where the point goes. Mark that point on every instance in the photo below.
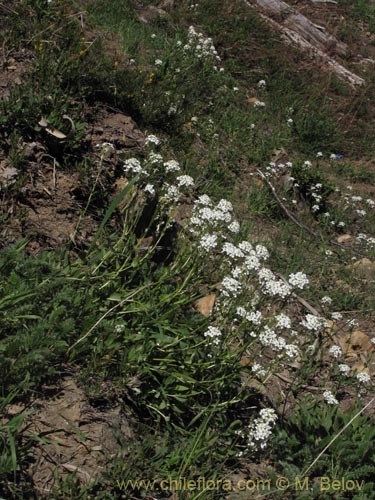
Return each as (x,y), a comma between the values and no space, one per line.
(150,14)
(363,267)
(205,304)
(344,238)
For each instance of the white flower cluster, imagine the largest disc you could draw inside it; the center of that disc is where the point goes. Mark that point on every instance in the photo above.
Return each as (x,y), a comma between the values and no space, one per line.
(363,377)
(335,350)
(326,300)
(155,158)
(172,166)
(208,242)
(364,238)
(231,287)
(345,369)
(298,280)
(330,398)
(152,139)
(314,323)
(271,285)
(283,321)
(208,218)
(258,370)
(200,46)
(133,166)
(185,181)
(214,334)
(171,194)
(261,429)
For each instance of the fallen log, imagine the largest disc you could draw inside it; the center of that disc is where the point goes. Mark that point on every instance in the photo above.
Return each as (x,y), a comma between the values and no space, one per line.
(297,29)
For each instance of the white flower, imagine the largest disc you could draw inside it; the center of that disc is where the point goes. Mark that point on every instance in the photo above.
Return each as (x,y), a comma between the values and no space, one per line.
(208,242)
(214,334)
(155,158)
(149,188)
(268,338)
(152,139)
(234,227)
(237,272)
(241,311)
(326,300)
(363,377)
(336,316)
(259,104)
(272,286)
(204,199)
(231,286)
(335,350)
(246,247)
(133,165)
(262,252)
(314,323)
(291,350)
(261,84)
(315,208)
(254,317)
(258,370)
(225,206)
(307,164)
(232,251)
(172,166)
(261,429)
(171,194)
(283,321)
(235,89)
(345,369)
(185,181)
(158,62)
(298,280)
(353,323)
(330,398)
(289,122)
(319,154)
(252,263)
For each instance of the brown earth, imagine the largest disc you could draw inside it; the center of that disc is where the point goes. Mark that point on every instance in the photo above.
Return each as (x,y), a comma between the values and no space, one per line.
(74,435)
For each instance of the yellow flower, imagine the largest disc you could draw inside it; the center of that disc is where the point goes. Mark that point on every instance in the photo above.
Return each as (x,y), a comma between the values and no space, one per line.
(115,64)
